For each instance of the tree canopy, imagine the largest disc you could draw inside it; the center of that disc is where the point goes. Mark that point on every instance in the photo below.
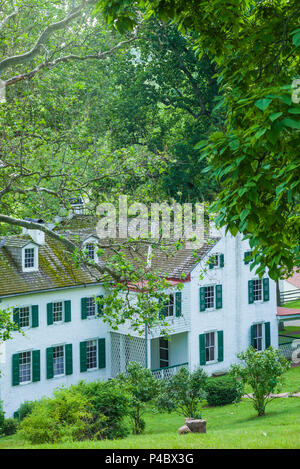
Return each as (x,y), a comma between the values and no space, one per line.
(255,156)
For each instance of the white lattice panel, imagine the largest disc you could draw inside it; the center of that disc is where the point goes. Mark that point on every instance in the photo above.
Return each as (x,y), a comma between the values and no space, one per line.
(125,349)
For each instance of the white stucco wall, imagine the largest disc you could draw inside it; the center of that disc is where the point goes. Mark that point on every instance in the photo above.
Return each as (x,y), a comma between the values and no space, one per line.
(44,336)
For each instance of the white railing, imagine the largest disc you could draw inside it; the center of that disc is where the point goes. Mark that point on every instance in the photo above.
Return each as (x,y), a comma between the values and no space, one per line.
(168,371)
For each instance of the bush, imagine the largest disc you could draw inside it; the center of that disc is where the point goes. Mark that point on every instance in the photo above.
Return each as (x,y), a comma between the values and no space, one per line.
(184,392)
(108,399)
(25,409)
(1,419)
(223,390)
(10,426)
(142,387)
(263,371)
(85,411)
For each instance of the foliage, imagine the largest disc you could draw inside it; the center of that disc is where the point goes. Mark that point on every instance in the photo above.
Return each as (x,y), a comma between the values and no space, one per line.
(25,409)
(10,426)
(223,390)
(85,411)
(263,371)
(255,46)
(109,400)
(142,388)
(183,392)
(7,326)
(2,418)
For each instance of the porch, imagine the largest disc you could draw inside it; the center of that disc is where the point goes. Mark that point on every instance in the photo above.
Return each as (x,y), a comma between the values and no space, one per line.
(164,357)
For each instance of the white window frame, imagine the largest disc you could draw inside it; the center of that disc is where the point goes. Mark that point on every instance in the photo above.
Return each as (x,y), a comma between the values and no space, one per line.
(262,290)
(63,311)
(30,316)
(36,258)
(262,337)
(215,347)
(170,305)
(216,257)
(210,308)
(91,316)
(92,241)
(22,383)
(96,367)
(64,360)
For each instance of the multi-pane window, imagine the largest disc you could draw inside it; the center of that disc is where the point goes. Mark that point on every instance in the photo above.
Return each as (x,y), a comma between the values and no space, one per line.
(90,307)
(214,261)
(29,258)
(257,290)
(258,337)
(163,353)
(58,311)
(169,306)
(90,251)
(91,354)
(24,317)
(210,346)
(210,297)
(58,360)
(24,367)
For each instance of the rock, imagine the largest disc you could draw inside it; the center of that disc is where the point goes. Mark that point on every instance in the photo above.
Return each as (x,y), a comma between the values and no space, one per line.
(196,425)
(184,430)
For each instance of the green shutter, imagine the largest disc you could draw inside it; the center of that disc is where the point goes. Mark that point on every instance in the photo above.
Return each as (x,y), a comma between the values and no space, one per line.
(16,316)
(69,359)
(250,292)
(247,254)
(178,299)
(219,302)
(35,315)
(67,311)
(83,367)
(266,290)
(162,313)
(101,353)
(36,365)
(49,362)
(211,262)
(202,298)
(15,369)
(49,314)
(83,308)
(221,260)
(220,346)
(99,307)
(252,335)
(267,334)
(202,349)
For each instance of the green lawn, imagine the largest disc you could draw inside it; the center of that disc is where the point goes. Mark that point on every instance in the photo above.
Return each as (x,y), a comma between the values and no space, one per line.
(232,426)
(292,304)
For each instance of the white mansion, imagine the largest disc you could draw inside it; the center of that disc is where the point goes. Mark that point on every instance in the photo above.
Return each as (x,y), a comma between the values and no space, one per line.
(212,318)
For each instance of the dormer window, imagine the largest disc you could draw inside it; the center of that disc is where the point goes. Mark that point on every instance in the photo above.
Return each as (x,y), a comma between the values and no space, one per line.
(90,251)
(29,258)
(30,262)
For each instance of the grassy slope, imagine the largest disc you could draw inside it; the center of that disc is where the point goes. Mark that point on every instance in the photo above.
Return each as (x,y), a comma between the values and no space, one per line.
(232,426)
(292,304)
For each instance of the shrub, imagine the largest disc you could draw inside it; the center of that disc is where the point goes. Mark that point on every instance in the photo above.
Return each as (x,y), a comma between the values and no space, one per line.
(184,392)
(263,371)
(108,399)
(10,426)
(85,411)
(1,418)
(223,390)
(25,409)
(142,387)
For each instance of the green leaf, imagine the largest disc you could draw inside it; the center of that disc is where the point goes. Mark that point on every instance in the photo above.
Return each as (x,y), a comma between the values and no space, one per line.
(291,123)
(263,104)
